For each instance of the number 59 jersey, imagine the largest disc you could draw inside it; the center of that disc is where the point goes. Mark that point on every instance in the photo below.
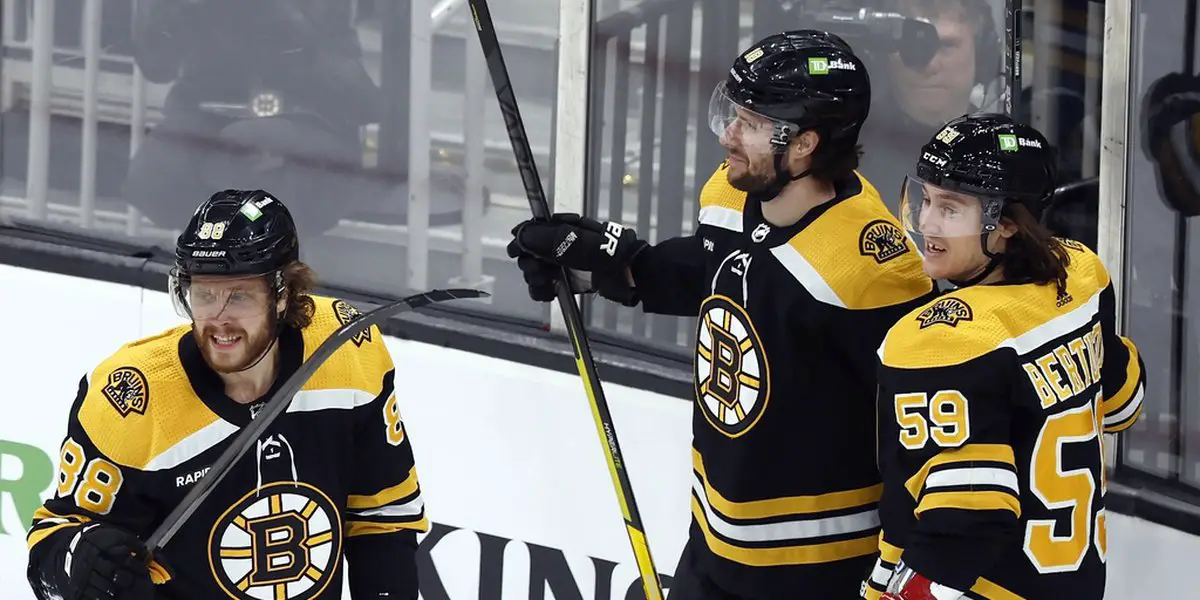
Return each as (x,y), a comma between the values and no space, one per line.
(992,404)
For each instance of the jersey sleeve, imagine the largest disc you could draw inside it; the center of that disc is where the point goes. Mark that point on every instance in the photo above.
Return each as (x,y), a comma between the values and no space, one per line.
(1122,374)
(90,487)
(670,276)
(948,446)
(384,507)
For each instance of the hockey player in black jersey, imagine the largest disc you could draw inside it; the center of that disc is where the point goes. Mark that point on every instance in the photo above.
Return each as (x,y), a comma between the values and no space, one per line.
(332,478)
(796,270)
(995,397)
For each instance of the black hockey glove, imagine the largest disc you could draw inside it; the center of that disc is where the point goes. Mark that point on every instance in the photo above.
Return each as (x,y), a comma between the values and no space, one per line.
(599,252)
(107,563)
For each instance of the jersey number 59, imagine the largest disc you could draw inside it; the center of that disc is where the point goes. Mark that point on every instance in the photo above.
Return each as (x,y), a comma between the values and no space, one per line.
(1073,489)
(93,484)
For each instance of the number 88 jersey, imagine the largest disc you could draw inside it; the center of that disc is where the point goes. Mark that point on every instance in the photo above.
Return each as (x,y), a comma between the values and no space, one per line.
(993,401)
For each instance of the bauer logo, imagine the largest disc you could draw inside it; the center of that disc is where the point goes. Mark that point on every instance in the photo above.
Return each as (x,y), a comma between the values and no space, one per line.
(818,65)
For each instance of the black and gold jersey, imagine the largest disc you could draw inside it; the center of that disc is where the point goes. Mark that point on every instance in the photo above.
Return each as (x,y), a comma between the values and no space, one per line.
(785,490)
(332,478)
(992,407)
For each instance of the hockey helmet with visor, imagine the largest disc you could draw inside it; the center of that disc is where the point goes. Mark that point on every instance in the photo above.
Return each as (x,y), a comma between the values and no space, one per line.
(234,239)
(789,83)
(968,173)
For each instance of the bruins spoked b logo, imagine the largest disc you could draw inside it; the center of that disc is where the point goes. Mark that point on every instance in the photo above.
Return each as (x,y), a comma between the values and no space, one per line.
(732,378)
(281,542)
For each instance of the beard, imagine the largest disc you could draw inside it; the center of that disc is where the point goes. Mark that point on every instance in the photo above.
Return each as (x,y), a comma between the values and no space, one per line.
(745,178)
(247,351)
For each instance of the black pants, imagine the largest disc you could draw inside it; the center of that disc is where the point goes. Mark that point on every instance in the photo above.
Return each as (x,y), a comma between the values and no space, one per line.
(691,584)
(688,584)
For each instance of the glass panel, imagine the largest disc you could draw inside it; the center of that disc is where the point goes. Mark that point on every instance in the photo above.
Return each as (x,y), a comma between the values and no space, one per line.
(308,99)
(1062,43)
(1162,288)
(657,61)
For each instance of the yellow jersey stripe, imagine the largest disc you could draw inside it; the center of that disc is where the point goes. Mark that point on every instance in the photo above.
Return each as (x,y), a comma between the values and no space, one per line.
(970,500)
(888,552)
(36,536)
(792,505)
(785,555)
(992,591)
(996,453)
(405,488)
(1133,376)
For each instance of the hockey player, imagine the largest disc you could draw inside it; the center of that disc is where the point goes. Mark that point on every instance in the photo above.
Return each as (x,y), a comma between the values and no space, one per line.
(994,397)
(796,270)
(332,478)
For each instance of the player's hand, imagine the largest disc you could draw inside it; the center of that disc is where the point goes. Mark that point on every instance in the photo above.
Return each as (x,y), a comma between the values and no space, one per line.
(597,253)
(576,242)
(907,584)
(107,563)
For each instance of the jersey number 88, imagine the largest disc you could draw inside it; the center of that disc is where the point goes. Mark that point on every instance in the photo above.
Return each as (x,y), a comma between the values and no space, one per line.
(94,484)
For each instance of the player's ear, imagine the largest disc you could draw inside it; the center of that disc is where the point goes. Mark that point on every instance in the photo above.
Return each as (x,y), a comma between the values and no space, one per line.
(803,145)
(1007,227)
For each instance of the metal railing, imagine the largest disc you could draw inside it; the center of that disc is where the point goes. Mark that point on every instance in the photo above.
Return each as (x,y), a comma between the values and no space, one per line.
(649,95)
(110,89)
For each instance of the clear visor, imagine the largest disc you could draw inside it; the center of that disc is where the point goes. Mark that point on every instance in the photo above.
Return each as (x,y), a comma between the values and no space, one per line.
(748,129)
(208,298)
(930,212)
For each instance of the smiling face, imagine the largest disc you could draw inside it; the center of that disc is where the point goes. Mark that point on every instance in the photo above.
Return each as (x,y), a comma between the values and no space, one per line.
(234,319)
(950,225)
(747,141)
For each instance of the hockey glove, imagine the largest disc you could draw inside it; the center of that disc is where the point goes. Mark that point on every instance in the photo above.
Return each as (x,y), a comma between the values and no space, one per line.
(599,253)
(907,584)
(105,562)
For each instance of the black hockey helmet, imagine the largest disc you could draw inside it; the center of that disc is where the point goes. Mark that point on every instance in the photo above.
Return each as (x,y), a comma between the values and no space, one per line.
(986,156)
(235,233)
(992,157)
(799,80)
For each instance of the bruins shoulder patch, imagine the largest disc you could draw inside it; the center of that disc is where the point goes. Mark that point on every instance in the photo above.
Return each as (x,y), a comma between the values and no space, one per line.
(1072,244)
(947,311)
(882,240)
(127,390)
(346,313)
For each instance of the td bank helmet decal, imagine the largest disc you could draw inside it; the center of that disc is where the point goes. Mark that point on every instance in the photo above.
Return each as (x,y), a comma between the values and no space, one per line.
(280,542)
(731,375)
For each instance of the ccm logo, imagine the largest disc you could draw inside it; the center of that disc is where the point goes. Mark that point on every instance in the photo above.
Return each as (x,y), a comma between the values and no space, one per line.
(937,161)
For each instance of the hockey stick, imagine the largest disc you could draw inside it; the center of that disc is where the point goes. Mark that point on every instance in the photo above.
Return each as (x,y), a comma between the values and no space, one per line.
(566,300)
(280,401)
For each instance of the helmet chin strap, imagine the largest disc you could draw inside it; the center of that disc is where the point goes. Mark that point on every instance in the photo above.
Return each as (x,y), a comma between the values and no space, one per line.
(779,142)
(993,262)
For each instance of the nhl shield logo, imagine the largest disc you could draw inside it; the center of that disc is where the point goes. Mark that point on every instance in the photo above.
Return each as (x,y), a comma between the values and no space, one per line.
(347,313)
(882,240)
(283,540)
(948,311)
(127,390)
(731,374)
